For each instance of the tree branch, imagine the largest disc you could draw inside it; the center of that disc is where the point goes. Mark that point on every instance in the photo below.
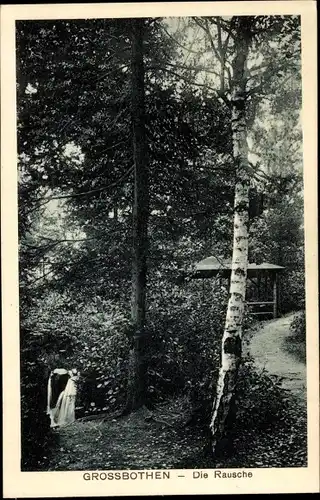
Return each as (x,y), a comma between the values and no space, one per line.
(218,93)
(57,242)
(40,277)
(92,191)
(187,49)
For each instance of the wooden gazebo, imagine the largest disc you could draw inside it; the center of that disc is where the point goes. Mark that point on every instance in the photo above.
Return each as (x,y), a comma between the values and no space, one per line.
(263,282)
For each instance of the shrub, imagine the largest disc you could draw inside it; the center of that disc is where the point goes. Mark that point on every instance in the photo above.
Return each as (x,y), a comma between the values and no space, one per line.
(185,329)
(184,346)
(91,337)
(186,334)
(260,400)
(298,326)
(292,290)
(295,343)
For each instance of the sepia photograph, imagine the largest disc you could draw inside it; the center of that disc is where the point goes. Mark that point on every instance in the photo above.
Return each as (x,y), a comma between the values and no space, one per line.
(161,245)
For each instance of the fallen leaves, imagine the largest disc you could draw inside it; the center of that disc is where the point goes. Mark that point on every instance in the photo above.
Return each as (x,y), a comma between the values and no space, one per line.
(131,442)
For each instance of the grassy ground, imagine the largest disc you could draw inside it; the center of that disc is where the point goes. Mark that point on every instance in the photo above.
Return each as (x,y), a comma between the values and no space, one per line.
(133,442)
(128,443)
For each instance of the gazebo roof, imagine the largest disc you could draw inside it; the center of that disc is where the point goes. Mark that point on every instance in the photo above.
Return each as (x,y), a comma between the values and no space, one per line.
(212,266)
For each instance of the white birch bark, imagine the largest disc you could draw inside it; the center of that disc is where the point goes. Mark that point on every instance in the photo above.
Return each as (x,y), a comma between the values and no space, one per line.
(232,336)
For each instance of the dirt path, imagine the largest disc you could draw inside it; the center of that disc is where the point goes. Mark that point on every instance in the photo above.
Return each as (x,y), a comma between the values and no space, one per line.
(268,348)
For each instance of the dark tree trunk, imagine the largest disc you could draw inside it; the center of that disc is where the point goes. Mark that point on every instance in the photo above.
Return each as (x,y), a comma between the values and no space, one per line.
(138,361)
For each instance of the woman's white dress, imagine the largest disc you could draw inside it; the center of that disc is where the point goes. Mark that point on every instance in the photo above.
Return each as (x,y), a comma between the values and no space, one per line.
(64,411)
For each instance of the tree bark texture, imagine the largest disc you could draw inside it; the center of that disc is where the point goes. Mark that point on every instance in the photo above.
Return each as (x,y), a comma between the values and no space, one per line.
(137,361)
(232,336)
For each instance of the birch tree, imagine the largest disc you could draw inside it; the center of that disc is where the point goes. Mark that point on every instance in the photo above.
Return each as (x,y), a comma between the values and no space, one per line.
(247,62)
(231,340)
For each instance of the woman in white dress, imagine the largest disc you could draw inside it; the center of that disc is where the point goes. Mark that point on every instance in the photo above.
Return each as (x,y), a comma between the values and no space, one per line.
(57,382)
(64,411)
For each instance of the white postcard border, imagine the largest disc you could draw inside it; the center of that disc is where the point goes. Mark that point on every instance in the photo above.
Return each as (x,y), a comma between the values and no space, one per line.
(55,484)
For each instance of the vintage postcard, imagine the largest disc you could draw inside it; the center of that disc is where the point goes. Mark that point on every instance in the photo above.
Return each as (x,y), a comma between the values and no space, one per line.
(159,248)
